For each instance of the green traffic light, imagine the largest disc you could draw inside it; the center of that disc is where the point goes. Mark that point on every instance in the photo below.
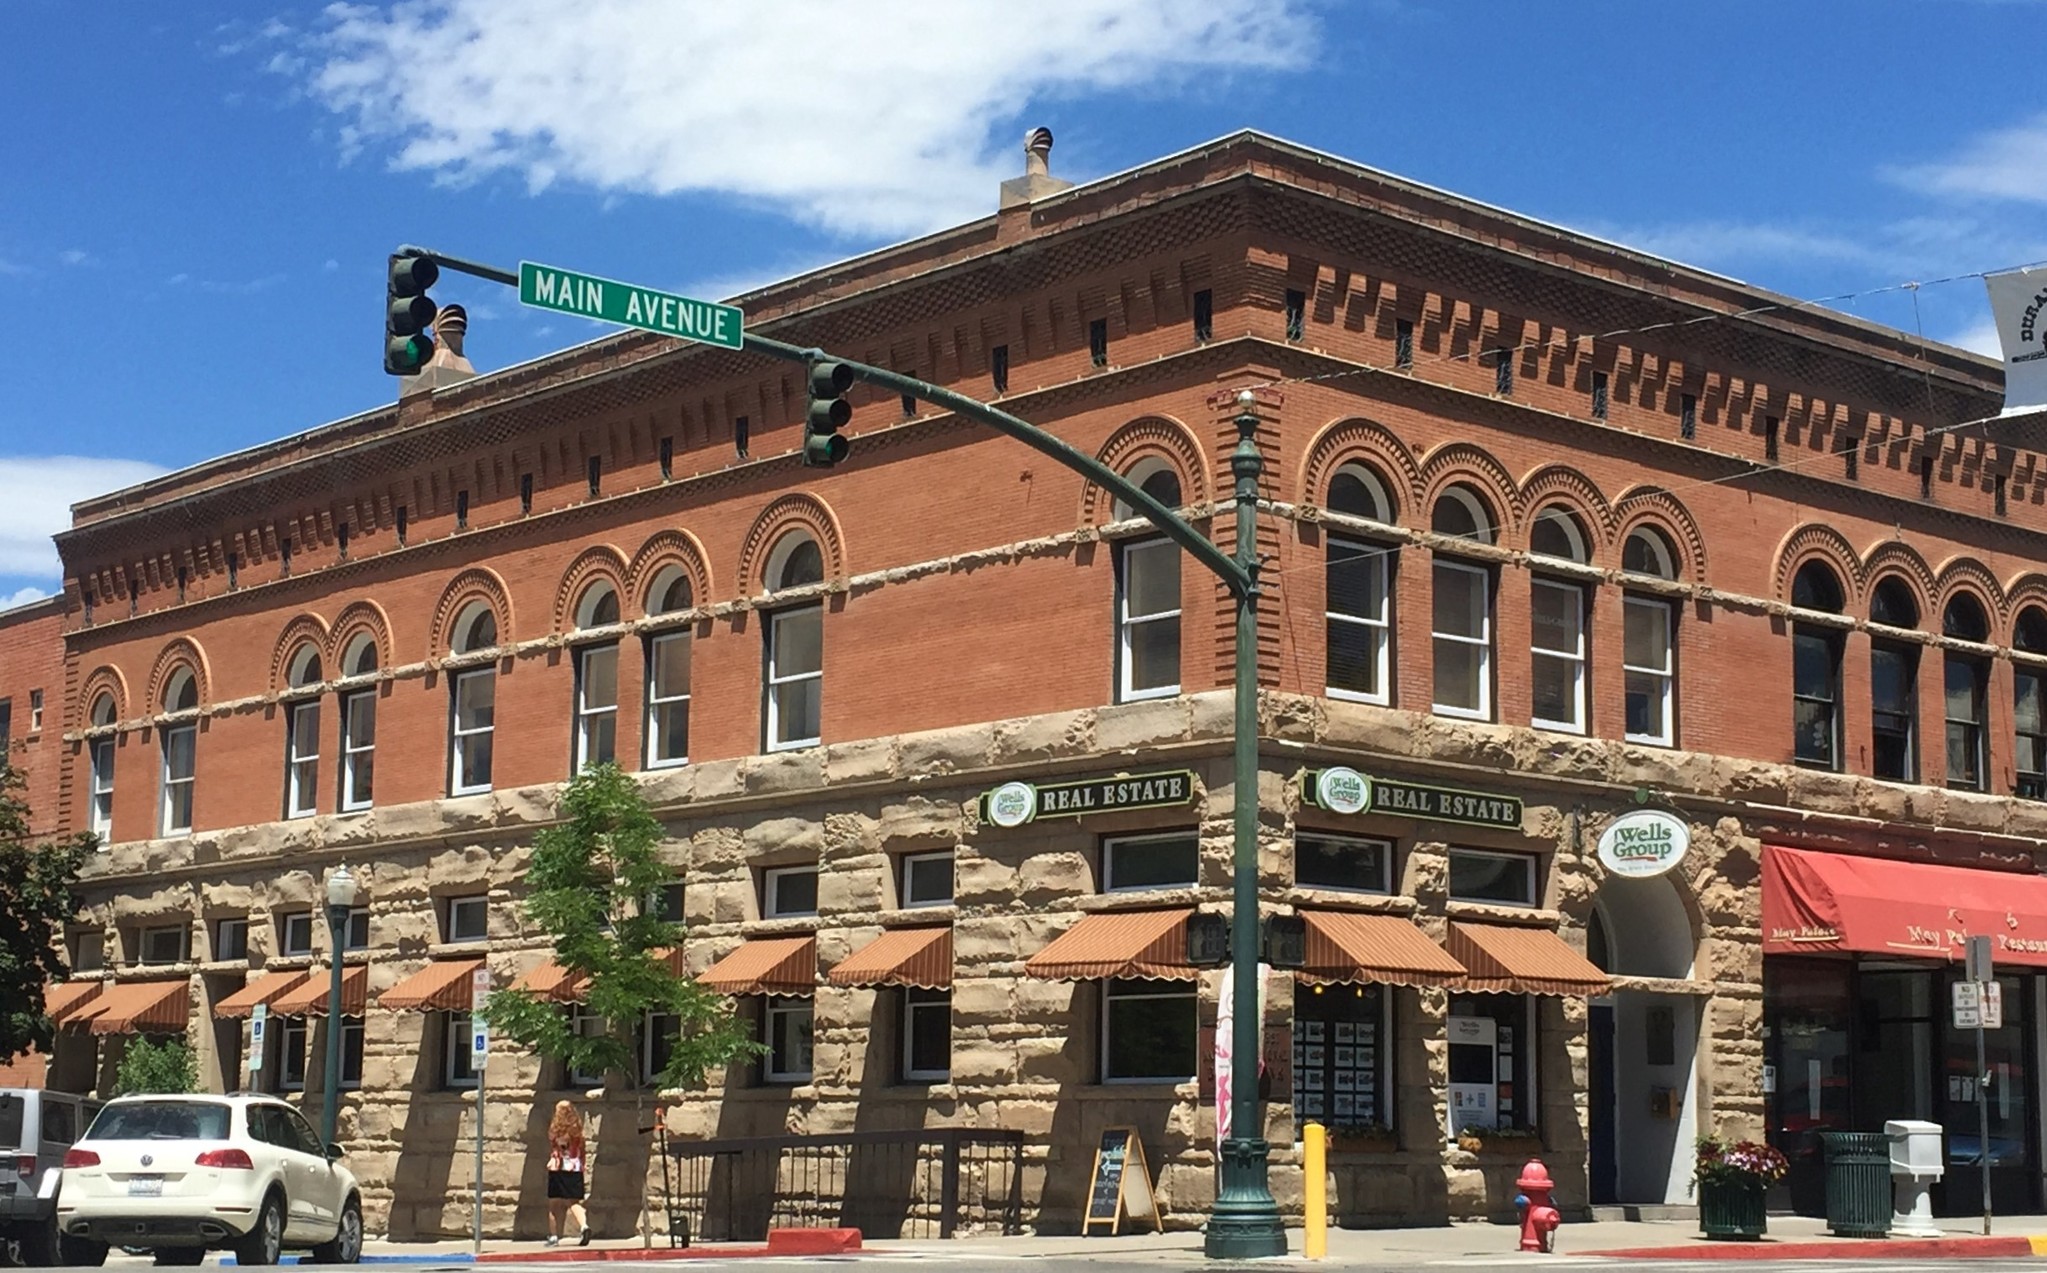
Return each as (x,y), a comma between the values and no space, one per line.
(822,450)
(405,355)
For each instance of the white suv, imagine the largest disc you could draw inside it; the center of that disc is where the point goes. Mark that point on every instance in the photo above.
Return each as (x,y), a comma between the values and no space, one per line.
(181,1174)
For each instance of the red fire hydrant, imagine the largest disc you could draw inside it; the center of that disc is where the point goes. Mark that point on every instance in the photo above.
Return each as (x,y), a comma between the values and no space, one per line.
(1539,1219)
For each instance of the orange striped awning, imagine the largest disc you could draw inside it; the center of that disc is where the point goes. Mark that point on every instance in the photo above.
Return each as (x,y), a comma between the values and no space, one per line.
(309,997)
(62,1000)
(441,986)
(1151,944)
(264,989)
(1525,961)
(1345,947)
(549,980)
(139,1007)
(920,957)
(765,966)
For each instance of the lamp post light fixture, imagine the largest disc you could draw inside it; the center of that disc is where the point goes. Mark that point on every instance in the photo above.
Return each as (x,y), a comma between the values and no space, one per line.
(341,888)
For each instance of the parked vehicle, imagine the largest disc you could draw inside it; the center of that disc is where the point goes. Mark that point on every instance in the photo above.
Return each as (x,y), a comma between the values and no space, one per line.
(180,1175)
(36,1128)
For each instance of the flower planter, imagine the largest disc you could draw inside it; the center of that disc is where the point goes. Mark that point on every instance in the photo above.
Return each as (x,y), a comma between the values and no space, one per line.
(1732,1209)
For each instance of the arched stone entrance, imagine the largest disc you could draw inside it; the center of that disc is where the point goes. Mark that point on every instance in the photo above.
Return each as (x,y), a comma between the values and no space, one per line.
(1643,1088)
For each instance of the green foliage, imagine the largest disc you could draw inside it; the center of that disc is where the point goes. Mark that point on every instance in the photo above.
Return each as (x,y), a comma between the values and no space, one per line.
(589,886)
(35,904)
(156,1067)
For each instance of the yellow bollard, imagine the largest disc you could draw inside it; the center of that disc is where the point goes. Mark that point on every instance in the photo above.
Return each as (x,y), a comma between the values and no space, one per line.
(1315,1166)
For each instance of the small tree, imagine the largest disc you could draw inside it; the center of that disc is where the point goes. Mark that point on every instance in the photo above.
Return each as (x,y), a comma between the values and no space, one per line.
(592,885)
(148,1067)
(35,903)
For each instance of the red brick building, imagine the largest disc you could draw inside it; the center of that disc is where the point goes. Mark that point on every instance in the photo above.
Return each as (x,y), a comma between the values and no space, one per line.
(1525,574)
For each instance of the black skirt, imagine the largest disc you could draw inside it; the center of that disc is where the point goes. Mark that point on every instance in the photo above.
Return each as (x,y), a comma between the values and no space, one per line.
(565,1184)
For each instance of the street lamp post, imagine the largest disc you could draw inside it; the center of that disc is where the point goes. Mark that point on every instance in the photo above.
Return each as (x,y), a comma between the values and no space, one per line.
(340,900)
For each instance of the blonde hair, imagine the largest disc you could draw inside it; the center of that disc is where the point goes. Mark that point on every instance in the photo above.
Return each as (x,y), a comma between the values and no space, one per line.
(566,1125)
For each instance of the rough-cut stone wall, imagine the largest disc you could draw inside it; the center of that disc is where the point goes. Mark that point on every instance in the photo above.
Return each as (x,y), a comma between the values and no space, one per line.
(1024,1051)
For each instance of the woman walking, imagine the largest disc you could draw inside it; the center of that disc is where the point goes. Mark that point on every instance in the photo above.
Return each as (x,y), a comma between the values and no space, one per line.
(565,1174)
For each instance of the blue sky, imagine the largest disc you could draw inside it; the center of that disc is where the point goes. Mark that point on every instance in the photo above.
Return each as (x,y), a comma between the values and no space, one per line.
(196,199)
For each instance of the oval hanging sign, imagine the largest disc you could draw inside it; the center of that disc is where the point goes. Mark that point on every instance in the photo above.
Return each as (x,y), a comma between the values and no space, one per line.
(1643,843)
(1342,790)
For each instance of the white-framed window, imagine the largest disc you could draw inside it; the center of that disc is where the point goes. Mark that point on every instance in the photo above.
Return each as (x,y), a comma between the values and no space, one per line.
(358,728)
(164,944)
(666,903)
(180,754)
(588,1025)
(927,1035)
(1482,875)
(1351,863)
(35,710)
(468,918)
(1649,660)
(596,705)
(668,664)
(794,680)
(1149,1031)
(788,890)
(1134,862)
(1557,659)
(292,1034)
(351,1049)
(355,934)
(231,937)
(88,950)
(1147,620)
(786,1028)
(658,1034)
(927,879)
(458,1066)
(1360,621)
(472,720)
(1462,636)
(302,736)
(295,933)
(102,752)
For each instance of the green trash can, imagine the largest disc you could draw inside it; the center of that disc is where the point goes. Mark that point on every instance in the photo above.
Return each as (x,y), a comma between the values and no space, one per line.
(1858,1184)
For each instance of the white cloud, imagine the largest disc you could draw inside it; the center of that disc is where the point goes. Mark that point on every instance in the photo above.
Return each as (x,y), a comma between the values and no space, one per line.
(36,494)
(1722,245)
(22,596)
(2004,164)
(77,256)
(893,116)
(1979,337)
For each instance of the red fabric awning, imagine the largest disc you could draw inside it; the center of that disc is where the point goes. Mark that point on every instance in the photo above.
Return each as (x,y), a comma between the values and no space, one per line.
(1814,901)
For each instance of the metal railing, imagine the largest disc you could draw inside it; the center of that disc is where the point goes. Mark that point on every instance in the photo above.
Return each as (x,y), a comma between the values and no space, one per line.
(938,1182)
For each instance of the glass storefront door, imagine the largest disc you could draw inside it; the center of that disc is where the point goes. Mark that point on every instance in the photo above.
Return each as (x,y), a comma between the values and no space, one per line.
(2008,1099)
(1806,1023)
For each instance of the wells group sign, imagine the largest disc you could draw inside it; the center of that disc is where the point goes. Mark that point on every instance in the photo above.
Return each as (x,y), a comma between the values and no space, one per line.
(1643,843)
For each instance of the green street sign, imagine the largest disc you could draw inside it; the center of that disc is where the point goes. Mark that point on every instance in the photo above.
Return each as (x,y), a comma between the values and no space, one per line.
(610,301)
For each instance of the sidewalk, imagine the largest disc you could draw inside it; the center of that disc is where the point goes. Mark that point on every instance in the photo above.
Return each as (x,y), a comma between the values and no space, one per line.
(1790,1237)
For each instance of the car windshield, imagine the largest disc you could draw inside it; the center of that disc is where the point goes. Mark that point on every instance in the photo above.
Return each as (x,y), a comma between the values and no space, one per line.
(11,1107)
(161,1120)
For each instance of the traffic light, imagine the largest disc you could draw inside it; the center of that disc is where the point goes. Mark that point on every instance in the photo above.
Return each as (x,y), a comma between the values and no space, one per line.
(408,312)
(829,411)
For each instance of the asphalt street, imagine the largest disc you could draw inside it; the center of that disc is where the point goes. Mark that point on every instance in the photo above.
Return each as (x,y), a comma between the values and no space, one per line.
(935,1262)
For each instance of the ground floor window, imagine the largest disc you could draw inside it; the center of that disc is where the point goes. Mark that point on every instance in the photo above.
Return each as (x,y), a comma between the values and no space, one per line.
(1492,1063)
(657,1041)
(292,1033)
(458,1067)
(585,1025)
(1148,1031)
(1343,1057)
(786,1028)
(927,1035)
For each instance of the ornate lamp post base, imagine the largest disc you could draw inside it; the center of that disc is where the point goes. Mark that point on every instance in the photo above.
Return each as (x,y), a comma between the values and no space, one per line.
(1245,1224)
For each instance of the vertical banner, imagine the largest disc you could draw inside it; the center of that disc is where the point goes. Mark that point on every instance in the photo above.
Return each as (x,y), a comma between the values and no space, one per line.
(1225,1020)
(2018,304)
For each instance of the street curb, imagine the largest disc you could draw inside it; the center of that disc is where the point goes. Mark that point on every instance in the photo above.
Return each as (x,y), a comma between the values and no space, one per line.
(462,1257)
(1956,1248)
(781,1242)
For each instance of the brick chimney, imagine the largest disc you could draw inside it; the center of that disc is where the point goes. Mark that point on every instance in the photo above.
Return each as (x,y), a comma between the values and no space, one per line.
(1037,181)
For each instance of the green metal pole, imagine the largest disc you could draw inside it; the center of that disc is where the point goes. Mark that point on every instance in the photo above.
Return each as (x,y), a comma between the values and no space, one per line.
(337,923)
(1246,1223)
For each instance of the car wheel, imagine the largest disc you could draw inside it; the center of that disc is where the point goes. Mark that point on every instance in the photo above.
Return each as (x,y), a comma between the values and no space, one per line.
(175,1256)
(38,1245)
(346,1248)
(265,1241)
(80,1253)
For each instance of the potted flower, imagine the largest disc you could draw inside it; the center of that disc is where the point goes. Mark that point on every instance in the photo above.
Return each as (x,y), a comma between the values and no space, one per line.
(1731,1180)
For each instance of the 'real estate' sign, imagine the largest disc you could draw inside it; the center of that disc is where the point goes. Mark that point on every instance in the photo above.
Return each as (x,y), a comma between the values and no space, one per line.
(1014,803)
(1342,790)
(1643,843)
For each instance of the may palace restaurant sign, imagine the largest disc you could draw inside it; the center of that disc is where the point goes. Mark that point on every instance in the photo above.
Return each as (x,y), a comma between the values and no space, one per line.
(1014,803)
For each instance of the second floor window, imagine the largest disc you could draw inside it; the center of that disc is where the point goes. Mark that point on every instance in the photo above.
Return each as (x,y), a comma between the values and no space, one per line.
(2029,719)
(1359,603)
(102,753)
(668,667)
(165,945)
(1148,596)
(1463,638)
(180,754)
(302,737)
(473,718)
(788,890)
(794,686)
(358,728)
(1132,862)
(1965,732)
(597,681)
(1646,653)
(468,919)
(1893,673)
(1816,670)
(1477,875)
(295,933)
(231,938)
(927,879)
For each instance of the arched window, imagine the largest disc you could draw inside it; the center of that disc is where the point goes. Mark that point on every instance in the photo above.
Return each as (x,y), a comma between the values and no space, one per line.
(1891,603)
(1816,670)
(2029,635)
(358,726)
(596,704)
(1148,596)
(1557,624)
(1464,514)
(793,711)
(598,607)
(473,720)
(180,743)
(1967,677)
(302,735)
(1649,553)
(668,671)
(102,755)
(1359,607)
(1648,642)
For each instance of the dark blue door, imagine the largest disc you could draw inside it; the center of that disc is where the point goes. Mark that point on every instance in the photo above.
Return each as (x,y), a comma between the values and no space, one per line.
(1600,1063)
